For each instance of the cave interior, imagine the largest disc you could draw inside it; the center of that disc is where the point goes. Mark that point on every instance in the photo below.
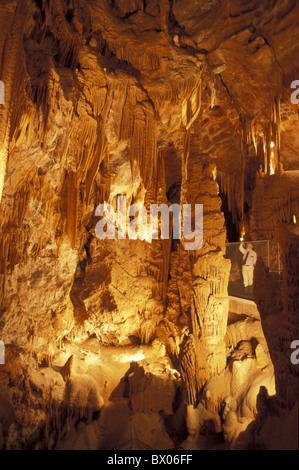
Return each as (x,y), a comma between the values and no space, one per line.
(135,342)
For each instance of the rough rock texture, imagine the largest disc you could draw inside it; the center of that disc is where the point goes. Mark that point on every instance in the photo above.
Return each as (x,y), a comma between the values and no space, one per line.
(162,102)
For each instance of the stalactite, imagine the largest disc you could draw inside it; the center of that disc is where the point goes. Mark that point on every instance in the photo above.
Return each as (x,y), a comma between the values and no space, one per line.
(275,199)
(102,92)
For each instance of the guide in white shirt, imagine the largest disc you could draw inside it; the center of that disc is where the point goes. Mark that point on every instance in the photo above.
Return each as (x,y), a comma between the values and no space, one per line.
(249,261)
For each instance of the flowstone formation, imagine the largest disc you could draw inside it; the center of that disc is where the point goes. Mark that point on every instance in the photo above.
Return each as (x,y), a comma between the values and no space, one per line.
(132,343)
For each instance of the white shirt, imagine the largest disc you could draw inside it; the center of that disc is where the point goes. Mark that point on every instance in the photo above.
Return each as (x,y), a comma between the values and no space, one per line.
(251,258)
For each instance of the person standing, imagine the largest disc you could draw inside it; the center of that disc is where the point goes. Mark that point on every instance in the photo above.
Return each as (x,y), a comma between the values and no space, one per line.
(249,262)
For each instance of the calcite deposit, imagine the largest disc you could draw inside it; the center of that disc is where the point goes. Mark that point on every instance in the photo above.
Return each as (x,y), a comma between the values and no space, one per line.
(137,343)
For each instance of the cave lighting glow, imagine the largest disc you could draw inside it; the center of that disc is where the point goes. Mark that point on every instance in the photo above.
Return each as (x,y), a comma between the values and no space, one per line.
(139,356)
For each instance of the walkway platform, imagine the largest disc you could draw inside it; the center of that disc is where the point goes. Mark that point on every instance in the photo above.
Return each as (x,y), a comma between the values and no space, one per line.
(239,306)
